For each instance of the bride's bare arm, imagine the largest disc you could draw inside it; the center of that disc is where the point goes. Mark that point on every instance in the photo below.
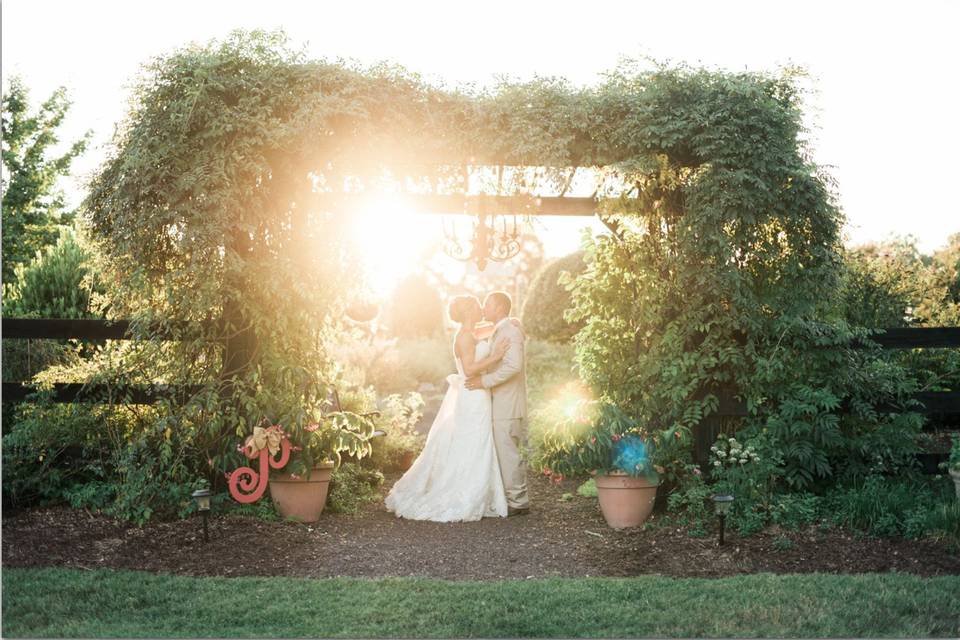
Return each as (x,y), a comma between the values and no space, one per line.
(466,347)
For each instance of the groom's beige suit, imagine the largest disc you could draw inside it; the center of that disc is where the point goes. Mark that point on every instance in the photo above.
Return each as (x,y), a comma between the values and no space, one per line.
(508,386)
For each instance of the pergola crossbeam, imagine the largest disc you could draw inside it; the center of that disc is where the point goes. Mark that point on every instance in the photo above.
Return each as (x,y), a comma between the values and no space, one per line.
(458,204)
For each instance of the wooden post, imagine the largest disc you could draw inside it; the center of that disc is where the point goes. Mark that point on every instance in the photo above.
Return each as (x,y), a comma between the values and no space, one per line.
(240,339)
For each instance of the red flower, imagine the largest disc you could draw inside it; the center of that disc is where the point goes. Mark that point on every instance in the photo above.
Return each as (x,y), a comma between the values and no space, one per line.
(557,479)
(615,437)
(546,471)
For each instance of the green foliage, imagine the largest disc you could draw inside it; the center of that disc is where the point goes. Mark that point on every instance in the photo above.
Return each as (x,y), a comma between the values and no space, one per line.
(588,489)
(747,471)
(547,301)
(718,272)
(783,543)
(352,486)
(57,283)
(32,202)
(590,437)
(887,506)
(211,205)
(119,460)
(399,415)
(690,505)
(796,510)
(49,451)
(881,283)
(953,463)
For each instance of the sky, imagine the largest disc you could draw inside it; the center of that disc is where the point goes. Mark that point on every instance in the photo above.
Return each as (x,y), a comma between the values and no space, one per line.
(883,117)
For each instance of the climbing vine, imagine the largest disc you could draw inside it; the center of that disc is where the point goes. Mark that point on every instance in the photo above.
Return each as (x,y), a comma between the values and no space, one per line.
(214,204)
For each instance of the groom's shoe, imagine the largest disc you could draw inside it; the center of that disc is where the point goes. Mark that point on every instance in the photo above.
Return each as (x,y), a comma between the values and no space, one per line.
(514,511)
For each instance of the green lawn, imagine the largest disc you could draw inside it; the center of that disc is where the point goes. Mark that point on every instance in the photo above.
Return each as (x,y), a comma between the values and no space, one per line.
(62,602)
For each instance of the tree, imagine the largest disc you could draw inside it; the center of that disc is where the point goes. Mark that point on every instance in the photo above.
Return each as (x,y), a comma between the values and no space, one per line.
(946,261)
(416,309)
(32,200)
(56,283)
(548,300)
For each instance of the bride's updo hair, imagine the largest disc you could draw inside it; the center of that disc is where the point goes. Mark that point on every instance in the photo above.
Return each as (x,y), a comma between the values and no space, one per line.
(457,309)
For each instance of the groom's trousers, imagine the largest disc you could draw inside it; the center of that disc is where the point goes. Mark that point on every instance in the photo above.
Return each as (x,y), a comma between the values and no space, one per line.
(510,439)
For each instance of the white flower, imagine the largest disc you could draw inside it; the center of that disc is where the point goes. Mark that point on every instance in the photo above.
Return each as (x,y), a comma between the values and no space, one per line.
(716,463)
(734,452)
(743,461)
(721,454)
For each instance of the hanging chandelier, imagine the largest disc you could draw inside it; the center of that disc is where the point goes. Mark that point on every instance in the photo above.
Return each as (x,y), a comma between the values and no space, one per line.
(490,238)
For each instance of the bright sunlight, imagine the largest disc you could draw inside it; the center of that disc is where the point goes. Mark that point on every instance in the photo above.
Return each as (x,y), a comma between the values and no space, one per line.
(391,240)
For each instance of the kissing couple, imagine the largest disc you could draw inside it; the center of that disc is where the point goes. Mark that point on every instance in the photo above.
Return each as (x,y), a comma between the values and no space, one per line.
(472,465)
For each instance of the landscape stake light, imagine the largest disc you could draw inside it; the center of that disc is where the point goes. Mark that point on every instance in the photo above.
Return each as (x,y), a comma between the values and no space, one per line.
(202,496)
(721,505)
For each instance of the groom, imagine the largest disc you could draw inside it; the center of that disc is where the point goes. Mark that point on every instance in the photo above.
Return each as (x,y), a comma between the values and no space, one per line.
(508,386)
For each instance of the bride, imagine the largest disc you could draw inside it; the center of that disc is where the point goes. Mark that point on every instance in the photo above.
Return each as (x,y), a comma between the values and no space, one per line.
(457,476)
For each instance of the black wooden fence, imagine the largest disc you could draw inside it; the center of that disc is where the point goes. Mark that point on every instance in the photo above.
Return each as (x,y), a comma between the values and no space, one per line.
(941,407)
(90,331)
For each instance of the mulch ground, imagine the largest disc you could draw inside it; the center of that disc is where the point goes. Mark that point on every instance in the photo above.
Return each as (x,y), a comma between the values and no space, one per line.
(557,538)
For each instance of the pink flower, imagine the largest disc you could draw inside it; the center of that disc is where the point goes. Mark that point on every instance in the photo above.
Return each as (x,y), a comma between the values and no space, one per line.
(593,439)
(313,426)
(546,471)
(557,479)
(696,471)
(615,437)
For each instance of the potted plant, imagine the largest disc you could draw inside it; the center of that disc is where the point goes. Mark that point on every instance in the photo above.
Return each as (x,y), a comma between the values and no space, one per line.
(299,489)
(600,439)
(399,417)
(953,464)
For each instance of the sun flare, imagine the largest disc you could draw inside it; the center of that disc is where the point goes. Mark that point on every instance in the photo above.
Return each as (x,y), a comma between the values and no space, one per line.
(391,240)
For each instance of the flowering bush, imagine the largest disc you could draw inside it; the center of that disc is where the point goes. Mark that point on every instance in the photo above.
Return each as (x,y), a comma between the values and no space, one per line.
(597,438)
(727,452)
(751,472)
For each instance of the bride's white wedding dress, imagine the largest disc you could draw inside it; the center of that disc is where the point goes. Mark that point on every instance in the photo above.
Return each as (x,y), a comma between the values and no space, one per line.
(457,476)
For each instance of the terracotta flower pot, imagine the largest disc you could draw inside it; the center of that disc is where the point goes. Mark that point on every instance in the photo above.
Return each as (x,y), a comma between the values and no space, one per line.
(624,500)
(406,460)
(301,498)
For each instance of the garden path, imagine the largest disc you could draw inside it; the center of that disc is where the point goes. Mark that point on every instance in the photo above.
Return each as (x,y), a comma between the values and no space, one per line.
(562,536)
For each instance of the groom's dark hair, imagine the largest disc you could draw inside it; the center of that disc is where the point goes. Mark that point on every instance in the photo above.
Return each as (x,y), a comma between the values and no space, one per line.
(503,300)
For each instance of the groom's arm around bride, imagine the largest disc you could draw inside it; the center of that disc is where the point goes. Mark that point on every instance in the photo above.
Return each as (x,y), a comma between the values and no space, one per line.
(507,383)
